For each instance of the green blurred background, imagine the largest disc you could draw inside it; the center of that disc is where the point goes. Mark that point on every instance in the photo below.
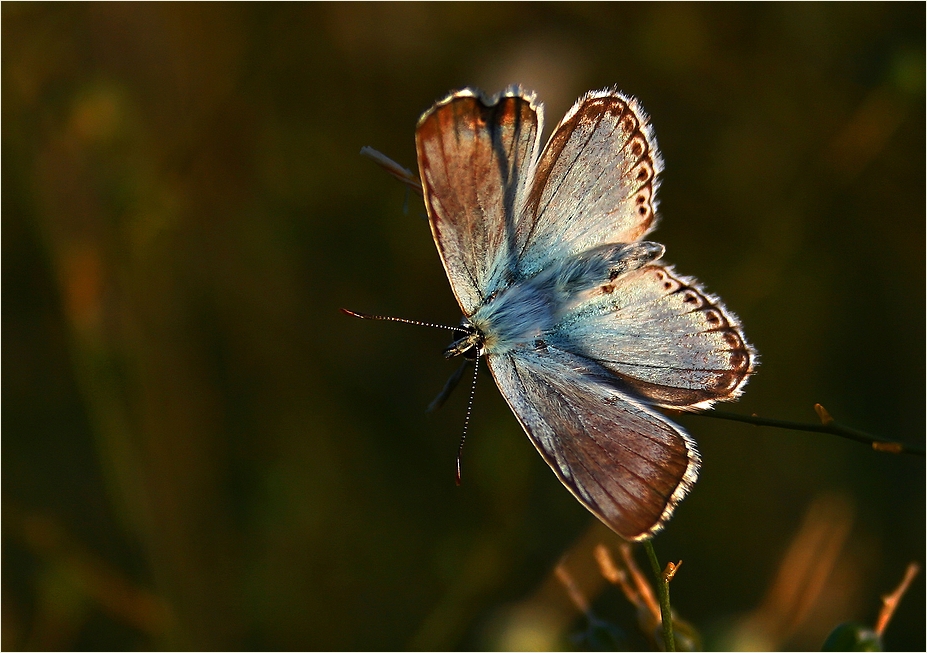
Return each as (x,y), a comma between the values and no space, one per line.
(200,451)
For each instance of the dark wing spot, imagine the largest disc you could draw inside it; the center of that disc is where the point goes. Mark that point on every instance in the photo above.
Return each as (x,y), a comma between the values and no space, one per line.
(644,172)
(615,109)
(727,381)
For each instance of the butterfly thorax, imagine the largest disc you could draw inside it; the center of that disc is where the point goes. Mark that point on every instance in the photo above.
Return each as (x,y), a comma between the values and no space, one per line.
(517,316)
(530,309)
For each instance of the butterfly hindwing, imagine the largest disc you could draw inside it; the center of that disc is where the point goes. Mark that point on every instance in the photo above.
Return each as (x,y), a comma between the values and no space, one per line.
(595,182)
(661,335)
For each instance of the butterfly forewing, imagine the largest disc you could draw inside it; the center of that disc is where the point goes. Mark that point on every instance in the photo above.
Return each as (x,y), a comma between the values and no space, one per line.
(595,182)
(475,159)
(623,461)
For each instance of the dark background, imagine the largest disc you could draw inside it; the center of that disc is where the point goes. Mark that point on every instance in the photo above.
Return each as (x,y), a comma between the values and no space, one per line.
(200,451)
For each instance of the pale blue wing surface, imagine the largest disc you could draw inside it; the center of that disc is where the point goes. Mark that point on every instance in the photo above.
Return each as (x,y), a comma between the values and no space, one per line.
(595,183)
(476,158)
(660,334)
(626,463)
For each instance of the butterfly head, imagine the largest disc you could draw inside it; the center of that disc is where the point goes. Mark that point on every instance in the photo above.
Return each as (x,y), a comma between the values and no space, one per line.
(469,345)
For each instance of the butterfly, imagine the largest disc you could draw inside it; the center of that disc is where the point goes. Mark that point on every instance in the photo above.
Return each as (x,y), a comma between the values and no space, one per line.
(584,330)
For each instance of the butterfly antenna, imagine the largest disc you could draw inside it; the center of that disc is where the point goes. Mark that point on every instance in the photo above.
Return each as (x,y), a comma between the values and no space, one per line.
(463,437)
(367,316)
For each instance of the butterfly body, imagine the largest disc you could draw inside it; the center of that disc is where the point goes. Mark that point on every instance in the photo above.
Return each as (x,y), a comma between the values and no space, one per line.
(581,326)
(548,305)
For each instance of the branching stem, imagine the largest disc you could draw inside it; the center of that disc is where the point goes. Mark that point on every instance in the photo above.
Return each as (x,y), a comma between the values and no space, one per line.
(666,614)
(827,425)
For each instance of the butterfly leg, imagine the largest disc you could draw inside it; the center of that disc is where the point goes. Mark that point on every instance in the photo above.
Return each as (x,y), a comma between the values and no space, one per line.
(448,388)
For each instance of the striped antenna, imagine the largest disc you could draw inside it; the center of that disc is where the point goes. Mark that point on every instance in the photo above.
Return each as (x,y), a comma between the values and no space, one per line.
(367,316)
(463,437)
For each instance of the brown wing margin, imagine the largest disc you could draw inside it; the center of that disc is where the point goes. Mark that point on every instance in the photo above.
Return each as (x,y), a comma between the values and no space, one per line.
(475,158)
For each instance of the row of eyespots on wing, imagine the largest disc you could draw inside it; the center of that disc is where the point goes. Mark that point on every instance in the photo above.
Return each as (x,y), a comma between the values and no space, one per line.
(642,172)
(639,148)
(715,319)
(739,356)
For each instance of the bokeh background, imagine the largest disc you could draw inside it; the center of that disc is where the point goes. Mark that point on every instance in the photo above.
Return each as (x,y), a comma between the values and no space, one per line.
(200,451)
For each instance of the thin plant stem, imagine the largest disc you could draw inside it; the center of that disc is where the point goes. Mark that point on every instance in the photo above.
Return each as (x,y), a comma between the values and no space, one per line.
(666,615)
(827,425)
(890,602)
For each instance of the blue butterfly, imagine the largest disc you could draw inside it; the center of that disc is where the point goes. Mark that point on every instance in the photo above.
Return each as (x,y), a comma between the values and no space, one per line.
(582,327)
